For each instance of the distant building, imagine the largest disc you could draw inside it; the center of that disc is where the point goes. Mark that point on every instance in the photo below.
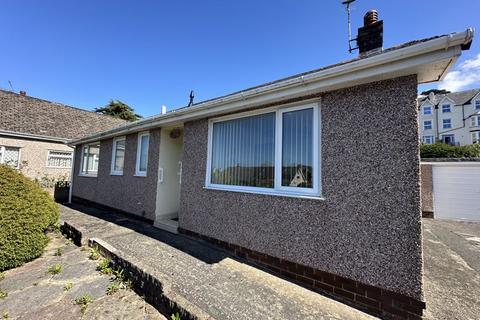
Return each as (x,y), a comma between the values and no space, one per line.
(34,133)
(452,118)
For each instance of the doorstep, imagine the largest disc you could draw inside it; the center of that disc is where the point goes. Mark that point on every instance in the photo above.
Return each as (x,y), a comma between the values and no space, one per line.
(178,274)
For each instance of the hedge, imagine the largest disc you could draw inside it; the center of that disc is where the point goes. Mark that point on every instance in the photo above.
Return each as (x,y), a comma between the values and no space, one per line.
(26,212)
(442,150)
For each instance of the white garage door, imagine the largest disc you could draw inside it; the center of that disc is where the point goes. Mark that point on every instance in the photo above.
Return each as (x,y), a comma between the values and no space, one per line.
(456,189)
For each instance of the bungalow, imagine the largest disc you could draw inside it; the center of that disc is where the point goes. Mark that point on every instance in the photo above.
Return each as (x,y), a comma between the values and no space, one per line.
(315,176)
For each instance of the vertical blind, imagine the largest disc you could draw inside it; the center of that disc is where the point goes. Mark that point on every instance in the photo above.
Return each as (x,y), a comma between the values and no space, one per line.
(297,148)
(243,151)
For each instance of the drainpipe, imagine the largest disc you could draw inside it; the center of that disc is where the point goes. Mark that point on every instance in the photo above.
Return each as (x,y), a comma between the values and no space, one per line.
(72,174)
(436,123)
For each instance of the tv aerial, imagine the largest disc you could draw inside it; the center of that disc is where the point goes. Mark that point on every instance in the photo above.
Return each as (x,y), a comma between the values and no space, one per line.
(347,4)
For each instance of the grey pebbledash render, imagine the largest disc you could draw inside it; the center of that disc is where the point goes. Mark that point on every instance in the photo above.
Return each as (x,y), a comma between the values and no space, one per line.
(315,177)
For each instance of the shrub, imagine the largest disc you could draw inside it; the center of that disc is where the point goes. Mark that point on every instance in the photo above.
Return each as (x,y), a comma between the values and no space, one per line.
(442,150)
(26,212)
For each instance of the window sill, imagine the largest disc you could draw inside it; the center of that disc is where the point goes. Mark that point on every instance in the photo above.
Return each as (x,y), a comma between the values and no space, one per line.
(58,167)
(116,173)
(87,175)
(141,175)
(269,193)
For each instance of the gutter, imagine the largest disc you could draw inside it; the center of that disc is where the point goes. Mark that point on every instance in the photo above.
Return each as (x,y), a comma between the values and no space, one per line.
(33,136)
(227,103)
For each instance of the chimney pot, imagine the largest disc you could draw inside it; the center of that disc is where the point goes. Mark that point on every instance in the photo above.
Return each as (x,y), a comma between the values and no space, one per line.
(23,93)
(370,17)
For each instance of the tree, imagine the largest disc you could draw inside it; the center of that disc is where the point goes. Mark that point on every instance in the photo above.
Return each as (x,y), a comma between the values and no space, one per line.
(435,91)
(118,109)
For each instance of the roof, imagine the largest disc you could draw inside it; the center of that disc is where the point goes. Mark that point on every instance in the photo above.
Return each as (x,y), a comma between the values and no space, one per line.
(429,58)
(36,117)
(459,98)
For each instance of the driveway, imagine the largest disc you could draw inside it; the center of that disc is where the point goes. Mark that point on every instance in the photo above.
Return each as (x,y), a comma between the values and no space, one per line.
(452,269)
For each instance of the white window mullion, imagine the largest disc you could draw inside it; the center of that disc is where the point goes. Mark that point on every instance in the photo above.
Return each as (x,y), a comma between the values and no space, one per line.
(278,150)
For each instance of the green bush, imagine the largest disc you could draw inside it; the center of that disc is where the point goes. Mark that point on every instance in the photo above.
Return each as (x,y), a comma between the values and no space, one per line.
(26,212)
(442,150)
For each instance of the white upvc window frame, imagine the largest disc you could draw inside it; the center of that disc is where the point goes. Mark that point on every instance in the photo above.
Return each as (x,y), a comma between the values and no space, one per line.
(59,156)
(447,106)
(278,189)
(2,155)
(450,123)
(91,174)
(475,122)
(475,137)
(114,172)
(429,108)
(429,137)
(424,124)
(476,104)
(139,173)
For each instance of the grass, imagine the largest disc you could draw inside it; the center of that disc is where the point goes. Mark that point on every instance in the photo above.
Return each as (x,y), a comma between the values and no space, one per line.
(175,316)
(104,266)
(5,314)
(83,302)
(3,294)
(55,269)
(2,276)
(67,286)
(58,252)
(94,254)
(113,287)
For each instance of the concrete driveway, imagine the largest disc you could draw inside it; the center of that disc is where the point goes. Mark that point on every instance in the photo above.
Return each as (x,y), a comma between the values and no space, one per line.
(452,269)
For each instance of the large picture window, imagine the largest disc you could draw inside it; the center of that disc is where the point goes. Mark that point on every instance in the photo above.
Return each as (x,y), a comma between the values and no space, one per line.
(90,158)
(275,151)
(118,156)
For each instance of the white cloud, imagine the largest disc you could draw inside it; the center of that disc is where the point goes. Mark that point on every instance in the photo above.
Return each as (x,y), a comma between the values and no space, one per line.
(466,75)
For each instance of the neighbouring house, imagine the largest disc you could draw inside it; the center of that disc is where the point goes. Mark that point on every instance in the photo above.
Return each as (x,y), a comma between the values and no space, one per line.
(315,176)
(452,118)
(34,134)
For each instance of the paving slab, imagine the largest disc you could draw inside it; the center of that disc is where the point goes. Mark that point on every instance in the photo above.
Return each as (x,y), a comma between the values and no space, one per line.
(34,293)
(205,277)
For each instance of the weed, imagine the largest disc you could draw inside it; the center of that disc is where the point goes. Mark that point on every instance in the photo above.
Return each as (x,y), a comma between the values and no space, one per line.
(67,286)
(175,316)
(3,294)
(58,253)
(83,301)
(94,254)
(113,287)
(2,276)
(55,269)
(35,284)
(5,314)
(104,266)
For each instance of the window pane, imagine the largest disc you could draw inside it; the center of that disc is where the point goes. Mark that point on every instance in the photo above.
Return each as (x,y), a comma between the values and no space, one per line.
(11,156)
(119,155)
(143,153)
(61,159)
(243,151)
(91,155)
(297,148)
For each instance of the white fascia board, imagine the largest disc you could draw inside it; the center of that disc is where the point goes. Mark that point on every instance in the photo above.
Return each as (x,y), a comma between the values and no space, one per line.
(430,60)
(32,136)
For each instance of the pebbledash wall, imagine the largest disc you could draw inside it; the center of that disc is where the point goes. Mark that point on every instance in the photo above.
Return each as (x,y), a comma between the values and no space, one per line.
(367,229)
(128,193)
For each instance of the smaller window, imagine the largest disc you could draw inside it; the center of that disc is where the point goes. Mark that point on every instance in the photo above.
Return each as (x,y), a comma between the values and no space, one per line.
(447,123)
(118,156)
(142,154)
(477,104)
(427,139)
(90,158)
(475,121)
(427,110)
(59,159)
(446,108)
(476,137)
(427,125)
(10,156)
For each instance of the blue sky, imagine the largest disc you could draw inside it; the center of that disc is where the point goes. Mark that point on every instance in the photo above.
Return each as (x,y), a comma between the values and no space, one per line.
(152,53)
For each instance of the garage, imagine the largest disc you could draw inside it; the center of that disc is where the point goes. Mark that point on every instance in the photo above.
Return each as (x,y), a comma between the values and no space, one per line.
(456,190)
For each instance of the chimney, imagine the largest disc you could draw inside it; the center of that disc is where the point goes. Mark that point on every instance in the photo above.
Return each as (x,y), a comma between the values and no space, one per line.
(370,36)
(164,109)
(23,93)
